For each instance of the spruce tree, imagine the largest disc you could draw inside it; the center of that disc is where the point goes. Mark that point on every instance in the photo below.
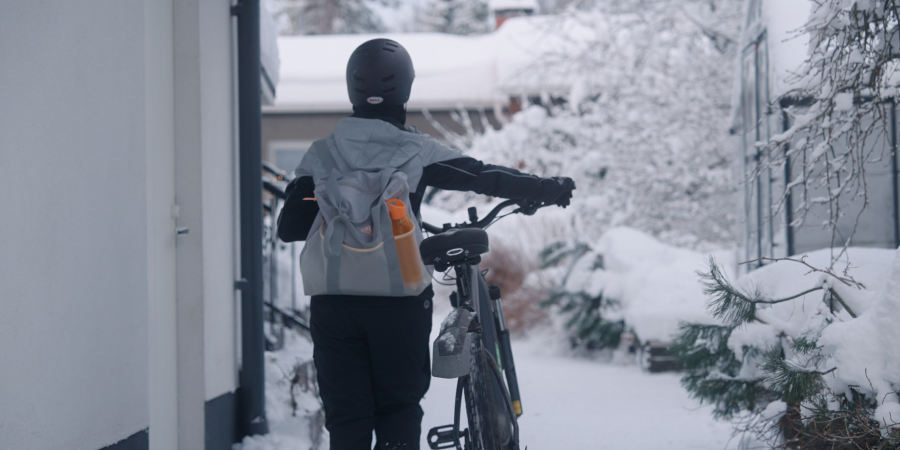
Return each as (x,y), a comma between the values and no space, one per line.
(791,372)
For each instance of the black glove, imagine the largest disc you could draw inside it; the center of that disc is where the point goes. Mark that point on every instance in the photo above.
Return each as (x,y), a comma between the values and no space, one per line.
(528,207)
(564,187)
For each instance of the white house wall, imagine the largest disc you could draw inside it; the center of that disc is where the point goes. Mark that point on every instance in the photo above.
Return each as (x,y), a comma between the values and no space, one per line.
(110,113)
(204,193)
(73,247)
(782,19)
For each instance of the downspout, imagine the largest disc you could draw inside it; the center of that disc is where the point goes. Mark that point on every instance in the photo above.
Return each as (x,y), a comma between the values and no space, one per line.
(789,204)
(251,394)
(894,175)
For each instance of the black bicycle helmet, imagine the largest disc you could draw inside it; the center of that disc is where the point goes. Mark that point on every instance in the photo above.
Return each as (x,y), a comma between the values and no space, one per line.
(379,72)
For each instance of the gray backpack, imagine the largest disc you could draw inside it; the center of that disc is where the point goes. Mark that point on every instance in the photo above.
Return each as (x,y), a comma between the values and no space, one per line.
(350,249)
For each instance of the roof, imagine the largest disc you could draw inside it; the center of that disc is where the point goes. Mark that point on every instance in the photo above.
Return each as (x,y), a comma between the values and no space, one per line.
(451,70)
(504,5)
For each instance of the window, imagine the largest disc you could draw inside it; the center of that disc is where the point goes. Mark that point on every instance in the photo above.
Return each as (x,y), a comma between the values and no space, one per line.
(764,233)
(287,154)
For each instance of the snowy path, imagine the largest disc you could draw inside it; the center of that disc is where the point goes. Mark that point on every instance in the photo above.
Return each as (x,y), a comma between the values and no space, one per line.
(574,403)
(570,403)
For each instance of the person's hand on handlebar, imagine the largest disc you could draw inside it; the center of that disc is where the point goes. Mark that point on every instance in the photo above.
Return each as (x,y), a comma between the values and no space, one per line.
(528,207)
(556,191)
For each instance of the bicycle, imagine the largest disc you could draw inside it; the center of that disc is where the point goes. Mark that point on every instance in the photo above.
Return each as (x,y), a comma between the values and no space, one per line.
(464,347)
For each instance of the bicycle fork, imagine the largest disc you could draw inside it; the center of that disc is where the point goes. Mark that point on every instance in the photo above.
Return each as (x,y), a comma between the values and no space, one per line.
(507,364)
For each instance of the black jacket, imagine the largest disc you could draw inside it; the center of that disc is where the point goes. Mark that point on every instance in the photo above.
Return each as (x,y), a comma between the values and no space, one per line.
(461,174)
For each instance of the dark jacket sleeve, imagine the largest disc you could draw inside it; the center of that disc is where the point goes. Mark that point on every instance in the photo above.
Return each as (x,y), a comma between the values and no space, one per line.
(297,215)
(470,174)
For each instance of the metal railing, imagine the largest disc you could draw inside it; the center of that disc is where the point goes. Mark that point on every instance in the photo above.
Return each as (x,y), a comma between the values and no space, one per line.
(281,300)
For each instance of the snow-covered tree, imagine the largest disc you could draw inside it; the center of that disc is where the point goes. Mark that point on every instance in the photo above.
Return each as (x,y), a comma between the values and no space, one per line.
(642,127)
(455,17)
(325,16)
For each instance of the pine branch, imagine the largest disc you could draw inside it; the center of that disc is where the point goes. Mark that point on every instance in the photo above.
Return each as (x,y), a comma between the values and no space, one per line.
(847,280)
(734,307)
(702,347)
(791,382)
(727,303)
(782,300)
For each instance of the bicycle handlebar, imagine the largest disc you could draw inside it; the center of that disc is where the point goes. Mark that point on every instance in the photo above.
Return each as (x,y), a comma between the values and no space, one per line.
(526,207)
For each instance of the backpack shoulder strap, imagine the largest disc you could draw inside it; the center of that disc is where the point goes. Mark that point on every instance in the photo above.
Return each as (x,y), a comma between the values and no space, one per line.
(325,156)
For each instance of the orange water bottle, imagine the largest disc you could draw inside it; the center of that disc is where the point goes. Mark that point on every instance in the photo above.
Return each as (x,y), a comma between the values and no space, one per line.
(405,240)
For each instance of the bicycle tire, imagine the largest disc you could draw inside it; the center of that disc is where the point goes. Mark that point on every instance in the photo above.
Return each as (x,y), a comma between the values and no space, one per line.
(512,441)
(478,401)
(486,418)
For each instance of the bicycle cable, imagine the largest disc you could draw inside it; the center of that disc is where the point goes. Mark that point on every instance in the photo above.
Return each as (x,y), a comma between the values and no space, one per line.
(446,277)
(497,220)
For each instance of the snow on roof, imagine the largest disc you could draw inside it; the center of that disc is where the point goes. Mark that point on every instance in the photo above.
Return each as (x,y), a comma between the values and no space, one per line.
(503,5)
(451,70)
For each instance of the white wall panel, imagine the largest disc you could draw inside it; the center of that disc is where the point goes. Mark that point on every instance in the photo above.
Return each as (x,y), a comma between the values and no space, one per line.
(218,202)
(73,249)
(163,380)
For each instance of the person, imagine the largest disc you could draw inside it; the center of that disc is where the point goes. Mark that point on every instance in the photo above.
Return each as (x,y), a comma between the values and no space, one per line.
(372,352)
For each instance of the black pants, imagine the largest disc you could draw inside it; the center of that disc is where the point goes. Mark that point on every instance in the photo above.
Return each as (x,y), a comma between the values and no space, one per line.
(372,359)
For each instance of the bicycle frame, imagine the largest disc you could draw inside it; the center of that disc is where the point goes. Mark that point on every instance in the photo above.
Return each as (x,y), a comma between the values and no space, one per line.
(490,327)
(478,313)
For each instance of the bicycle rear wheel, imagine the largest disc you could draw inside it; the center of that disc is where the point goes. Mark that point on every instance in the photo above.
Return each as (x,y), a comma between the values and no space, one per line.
(492,423)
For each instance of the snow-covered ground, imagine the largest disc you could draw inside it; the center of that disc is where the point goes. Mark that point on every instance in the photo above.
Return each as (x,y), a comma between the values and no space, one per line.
(577,403)
(570,402)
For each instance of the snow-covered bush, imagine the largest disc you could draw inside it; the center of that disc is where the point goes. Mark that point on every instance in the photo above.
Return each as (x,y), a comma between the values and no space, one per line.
(635,102)
(522,287)
(293,407)
(802,357)
(624,281)
(586,312)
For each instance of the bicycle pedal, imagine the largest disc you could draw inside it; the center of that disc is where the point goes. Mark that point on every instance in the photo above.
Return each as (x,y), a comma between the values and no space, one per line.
(442,437)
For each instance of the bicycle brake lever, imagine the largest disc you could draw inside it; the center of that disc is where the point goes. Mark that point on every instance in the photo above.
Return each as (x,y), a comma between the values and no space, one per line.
(528,207)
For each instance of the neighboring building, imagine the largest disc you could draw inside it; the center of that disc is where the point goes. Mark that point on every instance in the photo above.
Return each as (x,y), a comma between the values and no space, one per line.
(119,241)
(453,74)
(507,9)
(471,74)
(770,52)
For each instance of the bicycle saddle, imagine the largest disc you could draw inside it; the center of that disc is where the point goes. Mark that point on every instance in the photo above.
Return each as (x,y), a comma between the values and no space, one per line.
(454,246)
